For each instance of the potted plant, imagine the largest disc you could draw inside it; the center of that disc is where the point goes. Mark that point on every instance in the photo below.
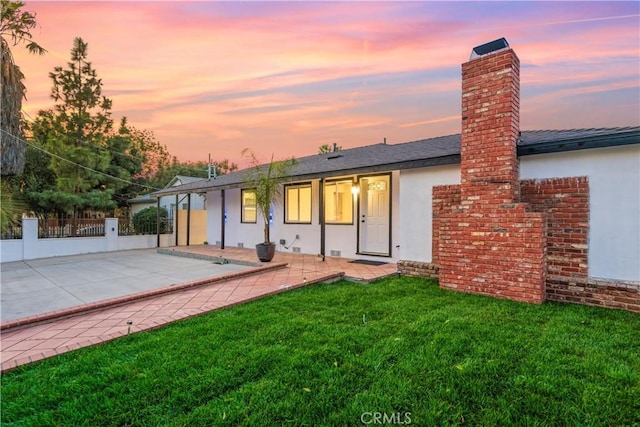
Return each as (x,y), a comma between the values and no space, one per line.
(266,179)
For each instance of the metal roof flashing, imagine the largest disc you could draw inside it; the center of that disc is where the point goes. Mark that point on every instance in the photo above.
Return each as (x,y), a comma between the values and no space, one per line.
(489,48)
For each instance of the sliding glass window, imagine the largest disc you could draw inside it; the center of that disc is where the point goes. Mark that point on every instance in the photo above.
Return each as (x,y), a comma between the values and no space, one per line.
(338,202)
(248,208)
(297,204)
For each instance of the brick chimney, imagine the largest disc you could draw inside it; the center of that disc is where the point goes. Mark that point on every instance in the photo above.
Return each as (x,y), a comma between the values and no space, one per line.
(490,243)
(490,126)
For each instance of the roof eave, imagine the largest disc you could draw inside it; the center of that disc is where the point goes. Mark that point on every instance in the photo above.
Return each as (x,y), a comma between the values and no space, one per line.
(410,164)
(552,146)
(599,141)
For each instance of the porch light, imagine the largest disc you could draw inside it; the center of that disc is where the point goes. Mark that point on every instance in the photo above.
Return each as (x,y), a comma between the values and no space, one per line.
(355,189)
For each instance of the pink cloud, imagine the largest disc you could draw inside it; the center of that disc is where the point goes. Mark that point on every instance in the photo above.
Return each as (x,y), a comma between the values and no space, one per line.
(220,76)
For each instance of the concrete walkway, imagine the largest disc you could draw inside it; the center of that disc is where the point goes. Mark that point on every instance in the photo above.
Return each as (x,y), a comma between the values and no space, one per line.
(49,334)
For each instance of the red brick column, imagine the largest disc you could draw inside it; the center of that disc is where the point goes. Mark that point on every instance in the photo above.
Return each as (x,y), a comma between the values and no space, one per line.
(490,244)
(566,204)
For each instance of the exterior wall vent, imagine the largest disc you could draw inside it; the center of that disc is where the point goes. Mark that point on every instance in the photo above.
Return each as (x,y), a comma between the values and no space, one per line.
(335,253)
(296,249)
(240,245)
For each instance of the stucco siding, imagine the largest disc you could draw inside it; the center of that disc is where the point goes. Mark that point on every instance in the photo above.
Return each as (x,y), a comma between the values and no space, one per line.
(415,213)
(614,222)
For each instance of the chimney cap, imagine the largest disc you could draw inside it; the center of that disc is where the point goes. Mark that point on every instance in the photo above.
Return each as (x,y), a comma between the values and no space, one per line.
(487,48)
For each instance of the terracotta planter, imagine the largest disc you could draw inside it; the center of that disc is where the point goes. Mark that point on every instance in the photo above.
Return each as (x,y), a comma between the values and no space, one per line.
(265,251)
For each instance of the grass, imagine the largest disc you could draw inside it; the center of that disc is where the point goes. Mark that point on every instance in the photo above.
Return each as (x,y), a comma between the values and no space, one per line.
(326,354)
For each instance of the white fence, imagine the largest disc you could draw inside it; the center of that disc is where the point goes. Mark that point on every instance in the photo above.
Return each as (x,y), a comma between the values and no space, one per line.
(31,247)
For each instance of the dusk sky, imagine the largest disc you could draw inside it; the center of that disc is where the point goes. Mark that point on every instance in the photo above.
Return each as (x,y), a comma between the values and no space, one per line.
(287,77)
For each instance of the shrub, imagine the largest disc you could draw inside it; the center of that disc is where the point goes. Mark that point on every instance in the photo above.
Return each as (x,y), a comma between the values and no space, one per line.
(146,221)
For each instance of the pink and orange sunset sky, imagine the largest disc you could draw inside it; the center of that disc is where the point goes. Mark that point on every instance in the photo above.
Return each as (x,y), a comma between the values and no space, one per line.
(287,77)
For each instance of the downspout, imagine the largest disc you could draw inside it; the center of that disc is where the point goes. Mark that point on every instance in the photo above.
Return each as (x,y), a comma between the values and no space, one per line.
(321,216)
(188,218)
(222,219)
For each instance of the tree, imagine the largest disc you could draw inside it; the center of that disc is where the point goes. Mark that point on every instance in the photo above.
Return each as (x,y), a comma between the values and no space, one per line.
(266,179)
(10,206)
(154,156)
(15,24)
(196,169)
(326,148)
(146,221)
(127,162)
(79,135)
(35,181)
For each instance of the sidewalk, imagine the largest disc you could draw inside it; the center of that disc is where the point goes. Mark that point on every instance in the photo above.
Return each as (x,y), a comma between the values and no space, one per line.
(155,308)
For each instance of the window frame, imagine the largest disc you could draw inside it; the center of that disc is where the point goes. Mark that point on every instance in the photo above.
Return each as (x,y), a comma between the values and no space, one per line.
(353,204)
(298,185)
(243,207)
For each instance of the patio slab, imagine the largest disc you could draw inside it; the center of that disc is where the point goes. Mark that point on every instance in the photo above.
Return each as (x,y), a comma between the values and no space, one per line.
(34,287)
(94,324)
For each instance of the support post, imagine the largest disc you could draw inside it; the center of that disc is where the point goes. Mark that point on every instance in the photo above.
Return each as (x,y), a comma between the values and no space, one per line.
(158,223)
(188,218)
(222,218)
(322,218)
(176,224)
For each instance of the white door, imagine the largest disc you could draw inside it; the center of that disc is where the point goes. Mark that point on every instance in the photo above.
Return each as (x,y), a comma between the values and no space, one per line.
(374,221)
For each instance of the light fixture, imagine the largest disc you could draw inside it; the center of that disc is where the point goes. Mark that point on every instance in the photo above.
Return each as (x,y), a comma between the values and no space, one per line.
(355,189)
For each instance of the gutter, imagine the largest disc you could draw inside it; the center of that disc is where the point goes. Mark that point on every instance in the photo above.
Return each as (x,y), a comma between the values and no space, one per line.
(601,141)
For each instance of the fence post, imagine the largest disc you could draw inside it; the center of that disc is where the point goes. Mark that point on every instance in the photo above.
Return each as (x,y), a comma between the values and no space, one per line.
(30,238)
(111,233)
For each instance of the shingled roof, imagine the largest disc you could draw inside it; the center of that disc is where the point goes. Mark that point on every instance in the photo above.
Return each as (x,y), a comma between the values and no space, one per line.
(426,152)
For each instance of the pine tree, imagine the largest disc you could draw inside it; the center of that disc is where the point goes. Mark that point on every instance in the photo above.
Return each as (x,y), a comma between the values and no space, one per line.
(80,128)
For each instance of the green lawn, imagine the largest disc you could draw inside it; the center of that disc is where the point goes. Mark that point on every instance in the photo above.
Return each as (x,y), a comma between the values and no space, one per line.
(327,354)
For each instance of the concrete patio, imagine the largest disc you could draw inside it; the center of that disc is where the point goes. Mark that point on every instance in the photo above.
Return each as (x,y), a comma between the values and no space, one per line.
(33,287)
(48,334)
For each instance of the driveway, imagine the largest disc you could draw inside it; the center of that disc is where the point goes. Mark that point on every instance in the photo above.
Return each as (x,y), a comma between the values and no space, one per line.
(40,286)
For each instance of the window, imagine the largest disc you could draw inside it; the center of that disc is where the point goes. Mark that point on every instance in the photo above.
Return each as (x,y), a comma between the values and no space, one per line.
(297,204)
(249,213)
(338,202)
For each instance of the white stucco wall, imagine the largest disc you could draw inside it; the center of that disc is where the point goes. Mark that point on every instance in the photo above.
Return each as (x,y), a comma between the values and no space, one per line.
(235,231)
(146,241)
(32,247)
(614,222)
(415,200)
(11,250)
(213,217)
(251,234)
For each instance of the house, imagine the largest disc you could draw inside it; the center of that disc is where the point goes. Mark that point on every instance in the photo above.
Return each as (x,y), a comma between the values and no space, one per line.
(527,215)
(189,219)
(169,202)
